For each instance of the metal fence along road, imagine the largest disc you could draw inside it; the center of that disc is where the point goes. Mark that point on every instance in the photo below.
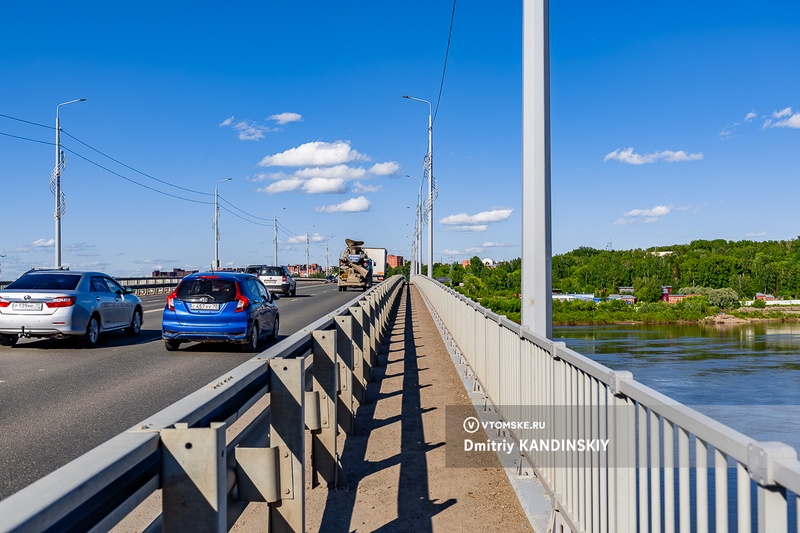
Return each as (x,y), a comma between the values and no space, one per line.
(313,381)
(614,455)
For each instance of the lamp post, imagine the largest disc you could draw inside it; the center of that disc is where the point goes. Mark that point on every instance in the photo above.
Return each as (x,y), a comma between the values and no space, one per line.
(307,265)
(418,225)
(275,238)
(428,170)
(55,183)
(216,222)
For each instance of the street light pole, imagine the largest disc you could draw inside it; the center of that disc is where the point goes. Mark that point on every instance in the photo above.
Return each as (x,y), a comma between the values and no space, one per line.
(55,183)
(418,225)
(275,238)
(428,169)
(216,222)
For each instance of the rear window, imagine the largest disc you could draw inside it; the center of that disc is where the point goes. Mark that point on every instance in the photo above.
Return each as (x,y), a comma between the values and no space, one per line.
(204,289)
(252,269)
(56,281)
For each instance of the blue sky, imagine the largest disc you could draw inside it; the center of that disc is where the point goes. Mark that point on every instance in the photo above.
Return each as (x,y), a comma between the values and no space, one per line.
(670,122)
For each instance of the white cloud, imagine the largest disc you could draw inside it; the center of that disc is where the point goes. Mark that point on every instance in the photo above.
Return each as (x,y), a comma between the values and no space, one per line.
(315,153)
(43,243)
(757,234)
(353,205)
(389,168)
(286,185)
(250,132)
(360,187)
(337,171)
(324,185)
(632,158)
(286,118)
(750,116)
(227,122)
(658,211)
(645,216)
(484,217)
(301,239)
(788,119)
(476,228)
(497,245)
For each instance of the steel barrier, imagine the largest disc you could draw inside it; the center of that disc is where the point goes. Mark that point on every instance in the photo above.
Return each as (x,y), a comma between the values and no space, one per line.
(667,467)
(314,380)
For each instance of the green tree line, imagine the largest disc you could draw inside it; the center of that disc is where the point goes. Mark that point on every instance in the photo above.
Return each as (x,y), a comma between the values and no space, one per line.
(720,272)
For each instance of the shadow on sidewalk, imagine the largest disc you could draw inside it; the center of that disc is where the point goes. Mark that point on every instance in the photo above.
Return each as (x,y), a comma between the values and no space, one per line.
(415,509)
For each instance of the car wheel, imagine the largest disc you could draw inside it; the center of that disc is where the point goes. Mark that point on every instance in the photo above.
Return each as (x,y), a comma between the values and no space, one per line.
(294,291)
(252,341)
(172,345)
(136,323)
(89,339)
(8,340)
(274,335)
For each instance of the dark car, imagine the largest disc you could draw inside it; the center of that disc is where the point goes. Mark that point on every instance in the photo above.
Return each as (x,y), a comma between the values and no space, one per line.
(60,303)
(230,307)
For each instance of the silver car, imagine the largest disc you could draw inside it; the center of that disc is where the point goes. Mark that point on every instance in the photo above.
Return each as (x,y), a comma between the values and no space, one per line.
(275,278)
(61,303)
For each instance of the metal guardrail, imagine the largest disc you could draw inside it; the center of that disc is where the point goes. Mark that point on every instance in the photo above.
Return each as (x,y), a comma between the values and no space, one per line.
(667,466)
(315,379)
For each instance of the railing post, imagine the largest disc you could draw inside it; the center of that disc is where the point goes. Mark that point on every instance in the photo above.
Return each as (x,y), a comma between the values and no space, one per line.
(347,404)
(771,498)
(324,453)
(194,478)
(361,336)
(287,432)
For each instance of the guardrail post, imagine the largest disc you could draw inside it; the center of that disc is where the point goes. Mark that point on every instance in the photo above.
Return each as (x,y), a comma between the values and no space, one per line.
(369,334)
(771,498)
(194,478)
(324,452)
(287,432)
(348,396)
(361,345)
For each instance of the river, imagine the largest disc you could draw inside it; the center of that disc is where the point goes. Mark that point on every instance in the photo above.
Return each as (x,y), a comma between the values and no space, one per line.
(746,376)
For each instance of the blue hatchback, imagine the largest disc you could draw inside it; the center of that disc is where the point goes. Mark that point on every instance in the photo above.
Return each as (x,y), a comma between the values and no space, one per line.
(220,307)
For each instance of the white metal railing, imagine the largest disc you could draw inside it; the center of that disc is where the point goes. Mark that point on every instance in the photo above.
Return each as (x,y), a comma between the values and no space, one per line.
(313,380)
(667,467)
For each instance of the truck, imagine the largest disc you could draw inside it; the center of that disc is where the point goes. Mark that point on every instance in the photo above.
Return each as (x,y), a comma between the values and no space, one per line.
(355,267)
(378,256)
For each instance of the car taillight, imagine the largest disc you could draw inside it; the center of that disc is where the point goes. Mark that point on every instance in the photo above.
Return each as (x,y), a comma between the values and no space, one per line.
(61,301)
(283,280)
(4,302)
(171,300)
(241,302)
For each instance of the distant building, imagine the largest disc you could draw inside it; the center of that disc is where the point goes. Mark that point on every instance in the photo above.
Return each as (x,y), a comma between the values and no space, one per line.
(465,263)
(300,270)
(489,263)
(765,297)
(175,273)
(626,290)
(394,261)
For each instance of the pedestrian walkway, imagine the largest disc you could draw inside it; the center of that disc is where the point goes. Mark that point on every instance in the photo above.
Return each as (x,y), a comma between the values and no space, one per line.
(395,464)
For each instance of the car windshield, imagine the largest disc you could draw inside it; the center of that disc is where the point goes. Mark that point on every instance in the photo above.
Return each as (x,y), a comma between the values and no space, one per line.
(215,289)
(252,270)
(272,271)
(56,281)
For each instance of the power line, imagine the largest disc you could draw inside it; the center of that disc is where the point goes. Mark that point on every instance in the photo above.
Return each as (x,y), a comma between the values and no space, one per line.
(444,69)
(132,180)
(135,170)
(27,139)
(27,122)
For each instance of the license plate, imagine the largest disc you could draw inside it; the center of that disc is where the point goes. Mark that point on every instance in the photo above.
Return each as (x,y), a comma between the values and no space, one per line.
(204,307)
(26,306)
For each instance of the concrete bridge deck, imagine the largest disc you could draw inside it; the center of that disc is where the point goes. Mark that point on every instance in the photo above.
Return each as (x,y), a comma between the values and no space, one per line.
(395,463)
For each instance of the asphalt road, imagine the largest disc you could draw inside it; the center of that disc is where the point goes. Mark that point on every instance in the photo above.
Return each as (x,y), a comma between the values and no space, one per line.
(57,400)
